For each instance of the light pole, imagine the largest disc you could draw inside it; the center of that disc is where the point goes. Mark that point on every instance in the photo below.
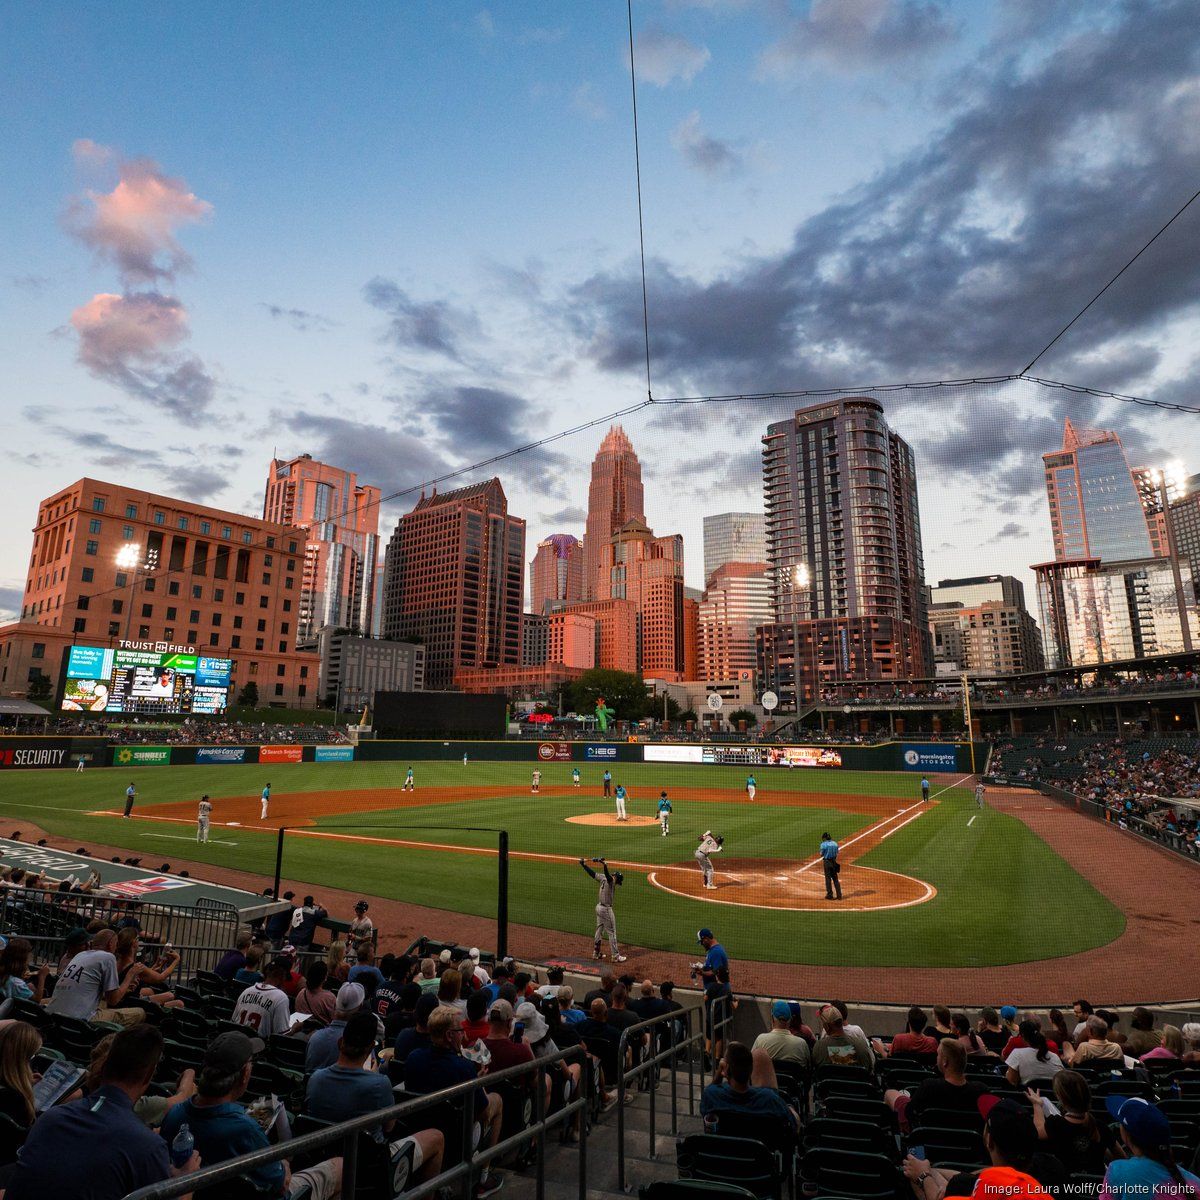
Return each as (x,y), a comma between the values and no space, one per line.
(129,558)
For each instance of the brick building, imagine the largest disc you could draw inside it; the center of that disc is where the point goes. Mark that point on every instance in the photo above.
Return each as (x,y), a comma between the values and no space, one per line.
(616,632)
(736,602)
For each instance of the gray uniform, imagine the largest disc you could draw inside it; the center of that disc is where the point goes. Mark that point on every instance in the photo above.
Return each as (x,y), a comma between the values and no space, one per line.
(709,845)
(606,919)
(202,819)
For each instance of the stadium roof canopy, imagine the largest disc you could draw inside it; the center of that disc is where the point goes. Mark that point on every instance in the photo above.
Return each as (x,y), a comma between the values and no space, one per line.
(12,707)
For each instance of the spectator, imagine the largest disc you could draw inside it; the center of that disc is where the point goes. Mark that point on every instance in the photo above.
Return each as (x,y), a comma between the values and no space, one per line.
(1171,1048)
(449,987)
(991,1032)
(1017,1042)
(223,1129)
(351,1088)
(1033,1060)
(335,961)
(1082,1010)
(1074,1136)
(779,1044)
(913,1041)
(482,978)
(500,976)
(835,1047)
(745,1081)
(951,1091)
(364,972)
(1060,1034)
(1098,1047)
(941,1027)
(475,1023)
(389,996)
(295,981)
(575,1016)
(305,920)
(602,1042)
(499,1041)
(278,924)
(76,942)
(234,960)
(14,968)
(153,977)
(19,1042)
(251,970)
(428,981)
(1191,1043)
(1113,1021)
(416,1037)
(608,981)
(797,1026)
(322,1049)
(264,1007)
(1143,1037)
(1150,1171)
(404,1014)
(88,988)
(973,1043)
(441,1065)
(314,998)
(621,1016)
(95,1148)
(647,1005)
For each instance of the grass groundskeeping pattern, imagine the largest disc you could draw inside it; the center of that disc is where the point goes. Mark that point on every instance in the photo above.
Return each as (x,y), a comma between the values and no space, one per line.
(997,884)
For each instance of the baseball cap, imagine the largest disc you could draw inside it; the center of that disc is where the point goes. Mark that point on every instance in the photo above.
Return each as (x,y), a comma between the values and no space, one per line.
(445,955)
(350,997)
(829,1016)
(1008,1011)
(1146,1124)
(703,933)
(781,1010)
(473,954)
(231,1051)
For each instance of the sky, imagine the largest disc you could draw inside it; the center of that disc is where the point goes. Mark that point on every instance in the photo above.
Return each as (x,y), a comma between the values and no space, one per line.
(404,238)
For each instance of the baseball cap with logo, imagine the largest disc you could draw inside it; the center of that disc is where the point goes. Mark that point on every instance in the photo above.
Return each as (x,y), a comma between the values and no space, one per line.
(703,933)
(781,1010)
(230,1052)
(1146,1124)
(829,1016)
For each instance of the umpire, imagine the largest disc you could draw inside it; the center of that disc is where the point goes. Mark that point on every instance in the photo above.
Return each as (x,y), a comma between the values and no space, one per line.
(829,860)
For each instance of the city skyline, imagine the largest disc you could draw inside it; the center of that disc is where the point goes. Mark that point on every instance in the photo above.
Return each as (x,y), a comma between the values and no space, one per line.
(427,253)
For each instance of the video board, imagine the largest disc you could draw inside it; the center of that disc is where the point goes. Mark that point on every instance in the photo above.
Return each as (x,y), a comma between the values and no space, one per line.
(99,679)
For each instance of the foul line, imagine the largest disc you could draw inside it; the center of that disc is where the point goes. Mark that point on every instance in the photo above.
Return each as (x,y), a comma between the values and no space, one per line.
(869,830)
(971,821)
(179,837)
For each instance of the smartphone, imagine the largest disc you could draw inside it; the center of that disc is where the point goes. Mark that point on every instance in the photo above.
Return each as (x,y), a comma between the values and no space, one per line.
(917,1151)
(519,1032)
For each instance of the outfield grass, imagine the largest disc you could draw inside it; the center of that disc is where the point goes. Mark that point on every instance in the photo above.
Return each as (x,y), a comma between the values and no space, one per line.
(994,877)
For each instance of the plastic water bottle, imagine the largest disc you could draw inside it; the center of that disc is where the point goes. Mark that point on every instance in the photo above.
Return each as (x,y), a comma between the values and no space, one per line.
(183,1147)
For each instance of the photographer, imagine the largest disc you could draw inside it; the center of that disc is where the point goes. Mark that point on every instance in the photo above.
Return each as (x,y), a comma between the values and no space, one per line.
(606,919)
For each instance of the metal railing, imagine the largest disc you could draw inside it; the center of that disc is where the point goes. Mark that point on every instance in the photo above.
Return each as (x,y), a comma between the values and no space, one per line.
(346,1135)
(1177,843)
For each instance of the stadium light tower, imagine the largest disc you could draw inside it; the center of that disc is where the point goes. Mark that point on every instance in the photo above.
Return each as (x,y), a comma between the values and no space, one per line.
(129,558)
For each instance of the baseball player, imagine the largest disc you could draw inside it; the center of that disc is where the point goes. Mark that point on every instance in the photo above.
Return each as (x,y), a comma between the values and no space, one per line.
(979,794)
(79,768)
(575,777)
(664,813)
(408,785)
(751,786)
(464,760)
(606,921)
(709,844)
(266,802)
(621,795)
(203,816)
(535,784)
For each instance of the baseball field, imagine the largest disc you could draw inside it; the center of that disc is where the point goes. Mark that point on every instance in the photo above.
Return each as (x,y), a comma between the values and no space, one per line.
(938,884)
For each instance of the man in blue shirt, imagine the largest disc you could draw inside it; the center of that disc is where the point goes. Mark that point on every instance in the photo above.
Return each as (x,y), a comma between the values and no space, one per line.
(607,782)
(751,786)
(322,1048)
(223,1130)
(925,789)
(95,1148)
(745,1082)
(365,973)
(833,869)
(351,1088)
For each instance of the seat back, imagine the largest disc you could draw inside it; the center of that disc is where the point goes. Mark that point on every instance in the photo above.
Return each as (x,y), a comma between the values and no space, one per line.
(835,1133)
(851,1174)
(945,1145)
(739,1161)
(692,1189)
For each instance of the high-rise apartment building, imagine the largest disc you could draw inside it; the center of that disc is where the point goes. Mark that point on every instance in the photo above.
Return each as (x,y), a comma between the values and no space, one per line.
(736,602)
(979,589)
(990,638)
(343,576)
(738,537)
(616,644)
(556,572)
(615,497)
(354,668)
(1096,507)
(844,548)
(454,579)
(112,564)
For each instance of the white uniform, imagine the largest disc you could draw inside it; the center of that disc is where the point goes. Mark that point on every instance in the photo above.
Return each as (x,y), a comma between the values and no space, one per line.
(979,795)
(409,786)
(79,768)
(708,845)
(203,815)
(536,783)
(575,777)
(606,919)
(621,797)
(464,760)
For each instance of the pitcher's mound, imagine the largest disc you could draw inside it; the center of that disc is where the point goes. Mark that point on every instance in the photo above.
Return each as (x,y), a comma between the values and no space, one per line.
(610,819)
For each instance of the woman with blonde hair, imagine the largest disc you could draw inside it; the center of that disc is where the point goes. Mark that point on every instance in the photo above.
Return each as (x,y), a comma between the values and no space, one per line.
(335,961)
(19,1042)
(152,976)
(1171,1046)
(449,987)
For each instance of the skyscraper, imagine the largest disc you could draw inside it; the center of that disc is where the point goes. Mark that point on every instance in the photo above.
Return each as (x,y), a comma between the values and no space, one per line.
(614,498)
(1096,508)
(343,576)
(454,578)
(736,602)
(844,548)
(738,537)
(556,572)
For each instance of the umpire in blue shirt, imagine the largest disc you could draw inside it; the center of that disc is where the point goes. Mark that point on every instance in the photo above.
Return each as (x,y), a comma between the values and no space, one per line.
(829,860)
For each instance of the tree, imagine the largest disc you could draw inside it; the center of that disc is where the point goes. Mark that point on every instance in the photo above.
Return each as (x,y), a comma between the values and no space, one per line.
(688,714)
(248,696)
(743,714)
(624,692)
(39,688)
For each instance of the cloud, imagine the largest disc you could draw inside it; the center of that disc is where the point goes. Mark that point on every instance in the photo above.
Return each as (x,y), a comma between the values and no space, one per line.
(664,57)
(131,342)
(299,319)
(852,35)
(10,602)
(707,154)
(134,225)
(572,514)
(1010,531)
(32,285)
(198,482)
(477,421)
(584,100)
(434,326)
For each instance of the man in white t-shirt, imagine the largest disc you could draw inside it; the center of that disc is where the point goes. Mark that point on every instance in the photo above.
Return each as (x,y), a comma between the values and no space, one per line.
(88,986)
(263,1007)
(482,978)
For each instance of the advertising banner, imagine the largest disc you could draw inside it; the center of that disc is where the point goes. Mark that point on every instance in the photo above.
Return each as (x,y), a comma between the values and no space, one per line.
(803,756)
(554,751)
(334,754)
(154,678)
(221,754)
(930,758)
(35,753)
(142,756)
(280,754)
(149,885)
(674,754)
(600,753)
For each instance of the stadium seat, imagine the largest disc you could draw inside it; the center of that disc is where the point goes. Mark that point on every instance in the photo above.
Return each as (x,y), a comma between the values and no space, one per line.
(834,1133)
(854,1174)
(740,1161)
(827,1085)
(692,1189)
(183,1025)
(952,1118)
(855,1108)
(943,1145)
(287,1052)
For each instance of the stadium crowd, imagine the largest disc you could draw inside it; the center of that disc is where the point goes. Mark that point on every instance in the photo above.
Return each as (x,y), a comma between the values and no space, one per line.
(198,731)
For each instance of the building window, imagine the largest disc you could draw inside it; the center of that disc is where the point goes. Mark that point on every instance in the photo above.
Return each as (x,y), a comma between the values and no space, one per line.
(191,637)
(281,670)
(194,615)
(239,597)
(214,639)
(283,647)
(246,536)
(291,564)
(216,618)
(291,547)
(93,526)
(197,591)
(82,603)
(97,504)
(127,532)
(262,627)
(303,672)
(302,690)
(92,547)
(89,574)
(183,522)
(289,582)
(270,543)
(206,527)
(169,633)
(117,606)
(259,644)
(80,625)
(226,532)
(171,614)
(235,642)
(147,610)
(160,518)
(237,622)
(122,579)
(268,559)
(287,606)
(131,512)
(254,668)
(218,594)
(114,629)
(173,588)
(143,631)
(266,579)
(285,628)
(279,689)
(39,650)
(263,601)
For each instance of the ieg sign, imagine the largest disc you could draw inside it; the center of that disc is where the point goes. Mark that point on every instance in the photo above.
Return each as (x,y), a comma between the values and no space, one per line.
(930,758)
(597,753)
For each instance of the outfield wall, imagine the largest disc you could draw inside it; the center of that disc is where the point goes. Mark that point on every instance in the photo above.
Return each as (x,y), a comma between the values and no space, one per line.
(40,753)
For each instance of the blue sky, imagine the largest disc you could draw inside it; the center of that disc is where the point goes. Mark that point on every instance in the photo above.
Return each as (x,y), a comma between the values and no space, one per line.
(403,237)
